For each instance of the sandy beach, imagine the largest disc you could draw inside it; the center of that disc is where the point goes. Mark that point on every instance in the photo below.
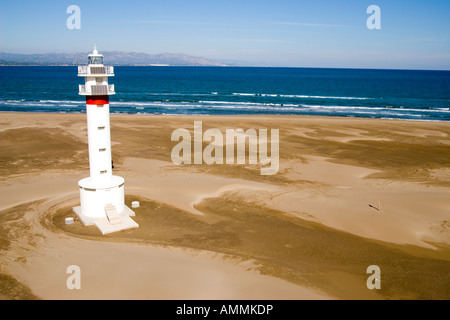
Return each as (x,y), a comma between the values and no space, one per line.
(349,193)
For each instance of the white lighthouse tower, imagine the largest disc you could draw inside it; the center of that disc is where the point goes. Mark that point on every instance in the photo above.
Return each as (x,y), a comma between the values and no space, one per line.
(102,194)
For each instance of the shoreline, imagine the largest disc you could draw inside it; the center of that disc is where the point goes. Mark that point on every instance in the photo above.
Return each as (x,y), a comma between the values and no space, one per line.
(234,115)
(331,170)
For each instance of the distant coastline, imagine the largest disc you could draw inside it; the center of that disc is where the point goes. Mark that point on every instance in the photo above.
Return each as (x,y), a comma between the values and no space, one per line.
(114,58)
(12,64)
(46,64)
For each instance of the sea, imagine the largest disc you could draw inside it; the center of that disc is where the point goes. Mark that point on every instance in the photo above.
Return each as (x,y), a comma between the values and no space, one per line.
(361,93)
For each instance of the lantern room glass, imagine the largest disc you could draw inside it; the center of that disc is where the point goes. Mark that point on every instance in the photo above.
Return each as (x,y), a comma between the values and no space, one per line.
(95,60)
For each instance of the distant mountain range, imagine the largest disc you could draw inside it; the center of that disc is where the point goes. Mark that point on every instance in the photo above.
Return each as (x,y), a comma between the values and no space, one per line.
(111,57)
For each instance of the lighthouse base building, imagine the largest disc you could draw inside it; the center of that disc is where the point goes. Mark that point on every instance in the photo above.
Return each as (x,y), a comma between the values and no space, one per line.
(104,206)
(102,195)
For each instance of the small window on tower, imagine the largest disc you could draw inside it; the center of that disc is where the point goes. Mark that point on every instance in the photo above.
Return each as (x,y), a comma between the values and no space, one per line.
(102,150)
(101,128)
(103,171)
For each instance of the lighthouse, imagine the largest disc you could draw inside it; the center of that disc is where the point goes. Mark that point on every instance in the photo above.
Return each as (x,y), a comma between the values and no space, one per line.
(102,194)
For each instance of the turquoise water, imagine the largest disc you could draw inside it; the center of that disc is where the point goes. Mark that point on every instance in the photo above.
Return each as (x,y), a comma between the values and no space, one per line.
(392,94)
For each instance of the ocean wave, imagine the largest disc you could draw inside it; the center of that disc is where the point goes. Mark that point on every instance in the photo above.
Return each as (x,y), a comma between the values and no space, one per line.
(228,102)
(141,105)
(43,102)
(69,105)
(63,101)
(273,95)
(206,106)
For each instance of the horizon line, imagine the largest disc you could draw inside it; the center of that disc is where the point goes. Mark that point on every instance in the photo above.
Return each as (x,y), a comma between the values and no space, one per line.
(227,66)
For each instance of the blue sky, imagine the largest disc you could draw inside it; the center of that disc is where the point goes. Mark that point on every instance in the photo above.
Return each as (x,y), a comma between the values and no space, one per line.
(316,33)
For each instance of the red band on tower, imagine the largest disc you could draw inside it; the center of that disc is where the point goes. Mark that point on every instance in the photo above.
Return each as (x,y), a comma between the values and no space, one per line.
(97,100)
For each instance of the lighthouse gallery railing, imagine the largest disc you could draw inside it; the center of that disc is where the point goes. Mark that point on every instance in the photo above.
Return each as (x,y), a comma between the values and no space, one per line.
(88,70)
(96,90)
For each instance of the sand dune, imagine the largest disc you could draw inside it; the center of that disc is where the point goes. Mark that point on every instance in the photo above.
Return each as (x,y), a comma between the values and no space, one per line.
(225,231)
